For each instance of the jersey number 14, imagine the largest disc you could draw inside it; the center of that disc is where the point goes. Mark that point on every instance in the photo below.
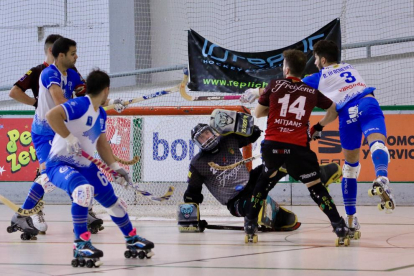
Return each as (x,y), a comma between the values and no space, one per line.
(297,107)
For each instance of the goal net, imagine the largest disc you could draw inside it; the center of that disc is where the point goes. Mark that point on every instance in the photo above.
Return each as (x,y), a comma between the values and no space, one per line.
(160,137)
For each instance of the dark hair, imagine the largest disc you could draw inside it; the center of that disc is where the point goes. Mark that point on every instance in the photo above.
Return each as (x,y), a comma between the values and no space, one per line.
(296,61)
(327,49)
(50,40)
(62,45)
(96,81)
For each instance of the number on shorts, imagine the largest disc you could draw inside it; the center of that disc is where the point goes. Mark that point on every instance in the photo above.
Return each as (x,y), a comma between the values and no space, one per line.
(103,178)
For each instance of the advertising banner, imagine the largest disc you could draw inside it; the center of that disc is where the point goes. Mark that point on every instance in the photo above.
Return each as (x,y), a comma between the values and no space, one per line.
(214,68)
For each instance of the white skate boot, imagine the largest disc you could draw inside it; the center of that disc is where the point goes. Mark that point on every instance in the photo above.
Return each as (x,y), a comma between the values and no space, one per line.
(353,225)
(39,222)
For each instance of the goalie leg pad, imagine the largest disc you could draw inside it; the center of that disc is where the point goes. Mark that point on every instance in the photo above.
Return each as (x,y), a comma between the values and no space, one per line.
(350,171)
(83,195)
(188,217)
(119,209)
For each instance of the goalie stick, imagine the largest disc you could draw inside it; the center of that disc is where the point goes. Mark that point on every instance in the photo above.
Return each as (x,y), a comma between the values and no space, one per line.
(184,94)
(232,166)
(142,192)
(152,95)
(24,212)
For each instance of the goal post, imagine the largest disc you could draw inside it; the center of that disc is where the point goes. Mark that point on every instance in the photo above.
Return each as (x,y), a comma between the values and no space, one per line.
(160,137)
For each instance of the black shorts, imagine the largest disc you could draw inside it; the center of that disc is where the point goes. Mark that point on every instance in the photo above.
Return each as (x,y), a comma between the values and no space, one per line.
(301,162)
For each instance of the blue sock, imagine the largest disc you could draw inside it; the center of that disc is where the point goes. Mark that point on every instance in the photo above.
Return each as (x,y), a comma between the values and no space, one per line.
(380,160)
(80,220)
(123,223)
(36,192)
(349,192)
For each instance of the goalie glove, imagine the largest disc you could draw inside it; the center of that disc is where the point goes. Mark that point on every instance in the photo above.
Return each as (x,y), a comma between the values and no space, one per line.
(119,105)
(316,131)
(250,95)
(73,145)
(123,177)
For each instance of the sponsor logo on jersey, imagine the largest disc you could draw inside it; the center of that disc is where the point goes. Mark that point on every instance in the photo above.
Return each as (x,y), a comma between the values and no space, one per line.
(89,121)
(29,72)
(231,151)
(189,174)
(23,78)
(63,169)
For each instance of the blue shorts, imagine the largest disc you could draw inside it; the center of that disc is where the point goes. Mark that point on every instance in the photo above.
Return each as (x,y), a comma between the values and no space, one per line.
(68,178)
(357,117)
(42,145)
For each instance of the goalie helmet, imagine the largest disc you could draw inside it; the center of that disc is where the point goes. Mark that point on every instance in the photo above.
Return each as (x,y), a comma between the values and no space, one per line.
(205,137)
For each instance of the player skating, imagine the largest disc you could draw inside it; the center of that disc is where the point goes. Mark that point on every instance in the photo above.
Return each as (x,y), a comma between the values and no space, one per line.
(288,103)
(80,124)
(233,188)
(359,113)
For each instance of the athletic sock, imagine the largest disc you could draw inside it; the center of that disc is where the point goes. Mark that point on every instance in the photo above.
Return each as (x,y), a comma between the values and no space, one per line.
(380,160)
(80,219)
(36,192)
(349,192)
(123,223)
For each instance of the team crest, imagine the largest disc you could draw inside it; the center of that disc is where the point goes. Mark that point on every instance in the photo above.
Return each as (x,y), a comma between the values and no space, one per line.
(223,119)
(186,210)
(231,151)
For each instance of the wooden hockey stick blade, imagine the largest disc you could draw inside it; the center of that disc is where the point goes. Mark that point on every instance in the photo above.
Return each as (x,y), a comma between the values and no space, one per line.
(232,166)
(109,170)
(187,97)
(24,212)
(127,162)
(151,96)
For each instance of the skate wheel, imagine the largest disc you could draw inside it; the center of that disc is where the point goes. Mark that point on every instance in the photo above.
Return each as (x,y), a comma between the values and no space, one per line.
(75,262)
(134,254)
(101,228)
(98,263)
(246,239)
(380,207)
(141,255)
(150,254)
(127,254)
(255,239)
(371,192)
(89,264)
(9,229)
(389,205)
(82,263)
(357,235)
(347,242)
(337,242)
(25,237)
(94,231)
(379,190)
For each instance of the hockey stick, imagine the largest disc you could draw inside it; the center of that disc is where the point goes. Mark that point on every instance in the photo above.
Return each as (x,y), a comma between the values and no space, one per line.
(142,192)
(232,166)
(184,94)
(127,162)
(152,95)
(24,212)
(261,228)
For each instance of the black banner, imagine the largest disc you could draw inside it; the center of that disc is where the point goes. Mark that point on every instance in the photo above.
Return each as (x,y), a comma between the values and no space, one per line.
(213,68)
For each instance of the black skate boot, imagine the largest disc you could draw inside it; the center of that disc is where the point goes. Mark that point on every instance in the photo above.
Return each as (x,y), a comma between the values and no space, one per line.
(94,223)
(83,249)
(138,246)
(250,228)
(25,225)
(342,232)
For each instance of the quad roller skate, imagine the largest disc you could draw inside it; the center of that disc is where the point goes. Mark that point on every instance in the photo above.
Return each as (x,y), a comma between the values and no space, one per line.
(39,222)
(85,253)
(94,223)
(138,246)
(380,188)
(25,225)
(342,232)
(353,226)
(250,227)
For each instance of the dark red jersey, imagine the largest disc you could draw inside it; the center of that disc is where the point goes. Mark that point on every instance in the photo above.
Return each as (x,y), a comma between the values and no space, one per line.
(290,103)
(30,80)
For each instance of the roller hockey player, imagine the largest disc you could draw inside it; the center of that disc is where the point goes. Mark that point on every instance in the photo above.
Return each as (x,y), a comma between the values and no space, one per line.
(288,104)
(80,125)
(232,188)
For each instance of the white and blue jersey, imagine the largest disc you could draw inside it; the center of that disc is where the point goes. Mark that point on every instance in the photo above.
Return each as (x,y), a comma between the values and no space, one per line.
(42,133)
(86,124)
(52,75)
(357,114)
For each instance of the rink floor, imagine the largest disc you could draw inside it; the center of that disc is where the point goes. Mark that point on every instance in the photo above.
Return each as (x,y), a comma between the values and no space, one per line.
(385,248)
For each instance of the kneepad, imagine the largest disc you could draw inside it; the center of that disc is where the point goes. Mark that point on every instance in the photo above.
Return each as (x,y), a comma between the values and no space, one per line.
(43,180)
(351,172)
(119,209)
(83,195)
(188,217)
(379,146)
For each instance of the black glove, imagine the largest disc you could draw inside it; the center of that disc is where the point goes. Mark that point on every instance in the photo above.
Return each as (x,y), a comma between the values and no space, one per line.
(316,131)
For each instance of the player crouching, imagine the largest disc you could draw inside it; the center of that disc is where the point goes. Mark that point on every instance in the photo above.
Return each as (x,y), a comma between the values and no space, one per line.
(80,125)
(220,144)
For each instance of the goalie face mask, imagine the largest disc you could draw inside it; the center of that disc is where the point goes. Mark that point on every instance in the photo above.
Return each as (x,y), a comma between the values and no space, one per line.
(205,137)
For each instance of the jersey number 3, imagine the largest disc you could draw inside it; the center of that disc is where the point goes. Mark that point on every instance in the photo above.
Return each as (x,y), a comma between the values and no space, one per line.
(348,77)
(297,107)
